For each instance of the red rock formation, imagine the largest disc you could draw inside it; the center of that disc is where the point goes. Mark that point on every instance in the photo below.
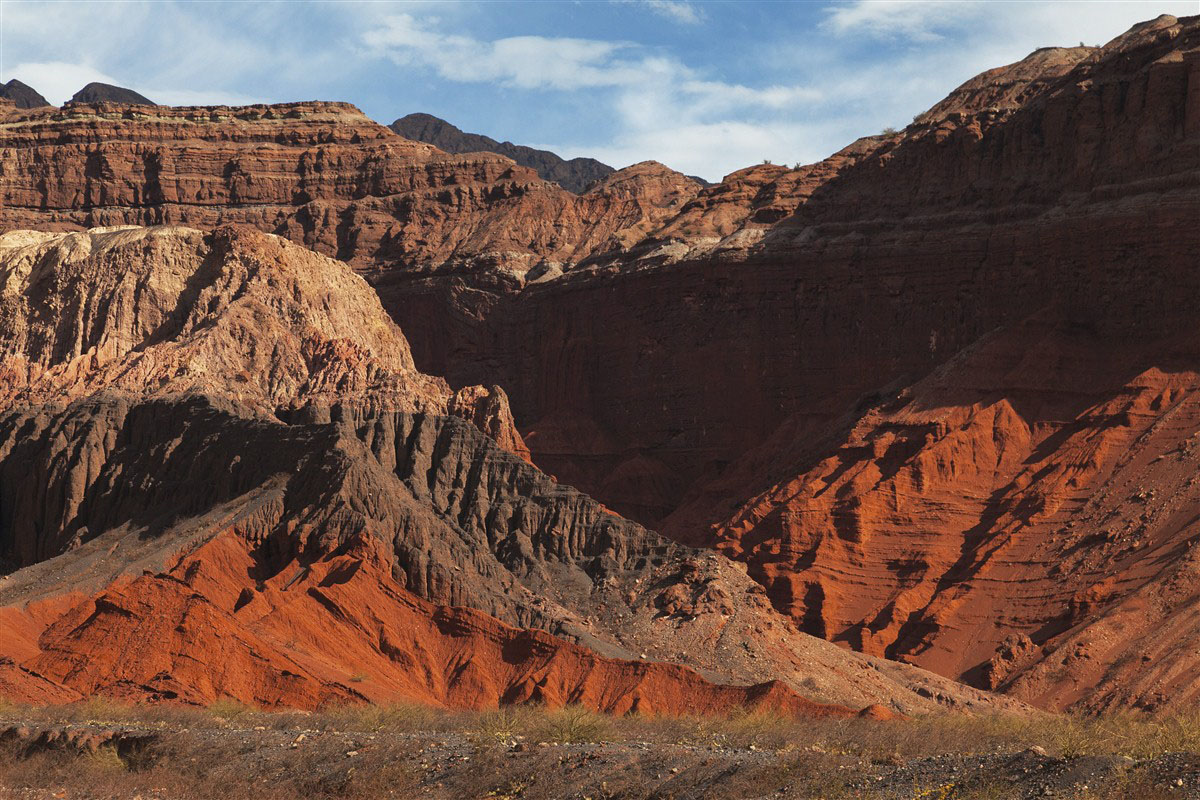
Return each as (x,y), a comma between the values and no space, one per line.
(344,632)
(222,477)
(903,384)
(1009,87)
(320,174)
(896,400)
(899,252)
(488,410)
(1012,517)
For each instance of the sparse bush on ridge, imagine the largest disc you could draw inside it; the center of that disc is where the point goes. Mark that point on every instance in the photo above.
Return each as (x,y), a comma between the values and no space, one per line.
(505,724)
(100,710)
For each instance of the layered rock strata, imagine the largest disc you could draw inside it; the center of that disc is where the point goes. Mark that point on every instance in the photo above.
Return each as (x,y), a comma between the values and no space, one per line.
(934,390)
(220,476)
(864,377)
(321,174)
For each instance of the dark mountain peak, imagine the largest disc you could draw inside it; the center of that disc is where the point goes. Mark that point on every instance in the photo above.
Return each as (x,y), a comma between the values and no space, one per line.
(106,93)
(23,95)
(420,121)
(575,174)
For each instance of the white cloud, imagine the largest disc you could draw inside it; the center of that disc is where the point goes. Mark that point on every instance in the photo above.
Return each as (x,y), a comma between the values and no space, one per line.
(918,20)
(1042,24)
(665,109)
(193,97)
(185,53)
(676,10)
(712,128)
(58,80)
(525,62)
(715,96)
(804,91)
(538,62)
(934,45)
(1023,24)
(708,149)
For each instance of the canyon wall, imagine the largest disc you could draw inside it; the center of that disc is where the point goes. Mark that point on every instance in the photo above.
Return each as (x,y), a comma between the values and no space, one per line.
(941,405)
(321,174)
(221,476)
(934,390)
(812,289)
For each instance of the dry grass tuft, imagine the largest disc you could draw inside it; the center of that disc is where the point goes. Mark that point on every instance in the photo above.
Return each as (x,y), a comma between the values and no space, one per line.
(571,725)
(393,717)
(229,710)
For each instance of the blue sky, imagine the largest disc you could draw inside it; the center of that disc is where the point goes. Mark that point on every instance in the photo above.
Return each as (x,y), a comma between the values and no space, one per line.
(705,87)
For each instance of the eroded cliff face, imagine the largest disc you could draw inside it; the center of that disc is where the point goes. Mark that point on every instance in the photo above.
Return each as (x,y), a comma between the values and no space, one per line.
(887,259)
(290,643)
(172,310)
(1002,518)
(321,174)
(220,476)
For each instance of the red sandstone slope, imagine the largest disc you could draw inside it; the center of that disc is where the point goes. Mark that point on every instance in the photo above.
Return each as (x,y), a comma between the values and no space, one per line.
(220,476)
(1004,520)
(1023,517)
(343,632)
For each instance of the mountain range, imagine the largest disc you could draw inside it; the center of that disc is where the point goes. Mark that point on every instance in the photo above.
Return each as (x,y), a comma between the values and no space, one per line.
(576,175)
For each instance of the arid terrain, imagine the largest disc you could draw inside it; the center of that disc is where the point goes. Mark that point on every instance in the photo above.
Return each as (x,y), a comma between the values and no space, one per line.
(98,749)
(853,479)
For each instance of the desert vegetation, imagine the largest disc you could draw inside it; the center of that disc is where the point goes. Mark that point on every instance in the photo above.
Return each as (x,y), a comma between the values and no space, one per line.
(369,751)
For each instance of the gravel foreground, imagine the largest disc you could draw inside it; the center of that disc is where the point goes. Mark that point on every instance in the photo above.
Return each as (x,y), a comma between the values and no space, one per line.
(234,753)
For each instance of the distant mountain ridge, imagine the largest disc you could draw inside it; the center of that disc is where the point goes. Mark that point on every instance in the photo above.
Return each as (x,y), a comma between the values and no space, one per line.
(107,93)
(23,95)
(575,174)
